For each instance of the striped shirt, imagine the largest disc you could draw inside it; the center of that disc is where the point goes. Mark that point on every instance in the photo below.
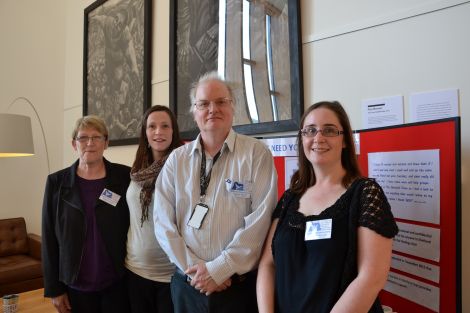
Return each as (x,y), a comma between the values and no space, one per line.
(241,196)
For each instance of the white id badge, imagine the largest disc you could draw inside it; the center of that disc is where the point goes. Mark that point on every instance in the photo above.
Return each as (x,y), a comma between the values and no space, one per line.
(321,229)
(199,212)
(109,197)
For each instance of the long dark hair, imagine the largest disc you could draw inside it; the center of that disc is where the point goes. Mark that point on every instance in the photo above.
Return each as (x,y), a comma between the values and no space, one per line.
(305,177)
(144,156)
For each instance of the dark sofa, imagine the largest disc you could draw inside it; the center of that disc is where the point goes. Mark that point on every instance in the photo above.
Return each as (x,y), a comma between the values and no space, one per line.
(20,257)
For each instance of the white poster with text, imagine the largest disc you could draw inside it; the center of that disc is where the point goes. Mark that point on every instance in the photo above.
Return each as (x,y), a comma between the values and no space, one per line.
(433,105)
(291,165)
(421,241)
(285,146)
(415,267)
(381,112)
(411,289)
(410,180)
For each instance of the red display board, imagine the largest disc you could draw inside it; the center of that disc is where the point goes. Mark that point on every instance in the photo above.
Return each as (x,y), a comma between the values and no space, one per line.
(443,135)
(281,175)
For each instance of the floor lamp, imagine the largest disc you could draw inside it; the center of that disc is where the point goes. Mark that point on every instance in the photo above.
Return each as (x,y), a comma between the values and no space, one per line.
(16,136)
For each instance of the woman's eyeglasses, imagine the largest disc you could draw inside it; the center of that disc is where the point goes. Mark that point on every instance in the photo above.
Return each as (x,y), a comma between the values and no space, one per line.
(327,131)
(86,139)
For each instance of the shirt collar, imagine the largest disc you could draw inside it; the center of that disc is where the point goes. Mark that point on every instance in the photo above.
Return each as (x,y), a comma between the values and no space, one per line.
(229,142)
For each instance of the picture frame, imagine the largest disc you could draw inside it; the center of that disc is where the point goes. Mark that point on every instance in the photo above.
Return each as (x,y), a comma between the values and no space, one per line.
(265,100)
(117,66)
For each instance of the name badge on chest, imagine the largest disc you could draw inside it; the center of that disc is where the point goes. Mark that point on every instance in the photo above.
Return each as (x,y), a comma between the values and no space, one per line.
(109,197)
(241,189)
(199,212)
(320,229)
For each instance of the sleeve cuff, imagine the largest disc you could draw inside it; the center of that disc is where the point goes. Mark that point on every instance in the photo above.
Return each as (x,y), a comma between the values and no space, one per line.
(219,270)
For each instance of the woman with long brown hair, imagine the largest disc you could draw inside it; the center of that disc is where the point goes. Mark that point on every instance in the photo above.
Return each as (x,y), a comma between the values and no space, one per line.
(330,244)
(150,270)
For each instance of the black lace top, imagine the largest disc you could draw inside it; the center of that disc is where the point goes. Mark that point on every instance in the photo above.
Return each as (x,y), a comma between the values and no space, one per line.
(311,275)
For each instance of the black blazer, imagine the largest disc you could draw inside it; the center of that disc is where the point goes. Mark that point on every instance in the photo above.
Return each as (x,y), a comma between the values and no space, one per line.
(64,225)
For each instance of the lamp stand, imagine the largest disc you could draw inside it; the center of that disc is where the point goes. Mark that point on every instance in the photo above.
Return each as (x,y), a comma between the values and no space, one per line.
(40,124)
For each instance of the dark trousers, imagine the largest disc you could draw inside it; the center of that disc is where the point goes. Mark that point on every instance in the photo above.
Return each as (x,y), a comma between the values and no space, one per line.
(113,299)
(240,297)
(148,296)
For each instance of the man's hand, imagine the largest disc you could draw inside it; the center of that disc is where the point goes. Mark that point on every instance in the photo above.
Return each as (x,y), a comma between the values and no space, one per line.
(62,303)
(202,280)
(224,285)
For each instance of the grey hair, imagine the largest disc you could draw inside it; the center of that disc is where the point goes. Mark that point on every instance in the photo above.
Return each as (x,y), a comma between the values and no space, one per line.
(206,77)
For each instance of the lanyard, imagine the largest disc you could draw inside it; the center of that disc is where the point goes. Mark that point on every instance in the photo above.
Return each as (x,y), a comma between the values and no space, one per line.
(205,179)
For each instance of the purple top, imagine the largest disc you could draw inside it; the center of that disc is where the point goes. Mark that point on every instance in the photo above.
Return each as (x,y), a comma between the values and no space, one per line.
(96,269)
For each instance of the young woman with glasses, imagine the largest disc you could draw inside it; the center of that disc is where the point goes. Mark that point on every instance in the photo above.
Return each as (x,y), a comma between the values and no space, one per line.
(330,243)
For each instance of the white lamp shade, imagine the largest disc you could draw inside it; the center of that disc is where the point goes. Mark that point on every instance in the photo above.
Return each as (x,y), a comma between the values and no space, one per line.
(16,136)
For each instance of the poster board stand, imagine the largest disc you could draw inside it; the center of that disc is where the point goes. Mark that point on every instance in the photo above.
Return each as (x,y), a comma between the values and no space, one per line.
(418,166)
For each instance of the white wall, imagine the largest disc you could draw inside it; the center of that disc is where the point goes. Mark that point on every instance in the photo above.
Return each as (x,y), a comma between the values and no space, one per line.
(31,65)
(42,59)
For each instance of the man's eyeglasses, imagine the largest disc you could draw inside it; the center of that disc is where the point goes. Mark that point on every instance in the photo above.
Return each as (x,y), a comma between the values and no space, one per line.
(203,105)
(327,131)
(86,139)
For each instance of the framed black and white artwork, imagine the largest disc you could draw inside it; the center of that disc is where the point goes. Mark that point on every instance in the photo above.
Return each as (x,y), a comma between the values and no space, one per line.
(116,65)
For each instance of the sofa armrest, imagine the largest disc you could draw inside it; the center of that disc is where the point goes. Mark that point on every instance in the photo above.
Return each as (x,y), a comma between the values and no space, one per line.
(34,242)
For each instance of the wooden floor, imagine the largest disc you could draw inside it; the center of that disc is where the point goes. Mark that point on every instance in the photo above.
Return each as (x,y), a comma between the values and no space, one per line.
(33,302)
